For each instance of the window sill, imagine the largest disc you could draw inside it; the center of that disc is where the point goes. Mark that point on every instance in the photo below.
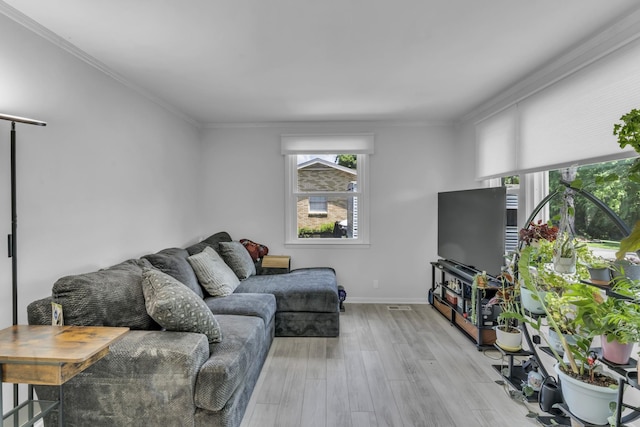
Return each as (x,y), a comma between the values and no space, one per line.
(326,243)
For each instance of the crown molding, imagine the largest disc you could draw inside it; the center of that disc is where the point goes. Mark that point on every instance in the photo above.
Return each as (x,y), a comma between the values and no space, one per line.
(33,26)
(311,123)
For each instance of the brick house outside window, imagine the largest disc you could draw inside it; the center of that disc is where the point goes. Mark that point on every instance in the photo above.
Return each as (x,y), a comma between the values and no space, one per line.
(323,176)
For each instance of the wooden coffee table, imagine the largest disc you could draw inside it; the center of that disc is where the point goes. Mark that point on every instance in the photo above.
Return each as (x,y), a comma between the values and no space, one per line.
(49,355)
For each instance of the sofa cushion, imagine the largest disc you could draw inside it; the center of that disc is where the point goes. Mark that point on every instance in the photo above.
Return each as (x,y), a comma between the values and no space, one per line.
(107,297)
(237,257)
(306,289)
(173,261)
(230,360)
(213,273)
(176,307)
(259,305)
(211,241)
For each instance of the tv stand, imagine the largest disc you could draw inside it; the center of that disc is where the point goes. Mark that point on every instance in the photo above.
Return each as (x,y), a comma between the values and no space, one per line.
(451,295)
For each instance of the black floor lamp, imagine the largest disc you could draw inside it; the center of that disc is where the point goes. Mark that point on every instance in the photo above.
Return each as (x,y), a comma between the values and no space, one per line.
(12,238)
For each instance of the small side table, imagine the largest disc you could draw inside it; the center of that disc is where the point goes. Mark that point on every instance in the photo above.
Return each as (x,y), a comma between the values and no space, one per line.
(276,264)
(49,355)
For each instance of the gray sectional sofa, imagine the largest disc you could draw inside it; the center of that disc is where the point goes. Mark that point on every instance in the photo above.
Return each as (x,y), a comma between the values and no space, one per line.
(155,376)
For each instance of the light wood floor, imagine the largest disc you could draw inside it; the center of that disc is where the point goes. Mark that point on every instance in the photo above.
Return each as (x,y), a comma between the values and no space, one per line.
(387,368)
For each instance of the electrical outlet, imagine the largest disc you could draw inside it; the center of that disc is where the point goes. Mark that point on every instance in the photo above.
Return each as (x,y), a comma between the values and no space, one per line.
(376,284)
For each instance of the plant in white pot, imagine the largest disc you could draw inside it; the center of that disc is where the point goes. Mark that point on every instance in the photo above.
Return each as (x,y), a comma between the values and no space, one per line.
(508,332)
(587,392)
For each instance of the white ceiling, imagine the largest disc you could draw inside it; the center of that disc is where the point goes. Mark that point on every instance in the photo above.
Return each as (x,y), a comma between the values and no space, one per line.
(248,61)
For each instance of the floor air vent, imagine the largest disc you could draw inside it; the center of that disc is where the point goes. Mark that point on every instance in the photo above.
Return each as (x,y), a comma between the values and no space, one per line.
(398,308)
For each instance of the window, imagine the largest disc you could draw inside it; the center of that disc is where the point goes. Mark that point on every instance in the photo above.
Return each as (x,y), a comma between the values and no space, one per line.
(317,205)
(592,224)
(326,185)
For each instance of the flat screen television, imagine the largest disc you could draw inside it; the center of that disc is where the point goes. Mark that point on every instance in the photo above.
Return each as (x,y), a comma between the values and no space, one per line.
(471,227)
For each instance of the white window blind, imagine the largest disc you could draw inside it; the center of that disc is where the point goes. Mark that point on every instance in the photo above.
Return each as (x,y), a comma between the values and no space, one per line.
(569,122)
(327,144)
(496,144)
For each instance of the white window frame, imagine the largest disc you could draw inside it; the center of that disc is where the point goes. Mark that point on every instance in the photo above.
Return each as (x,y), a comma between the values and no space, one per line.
(358,144)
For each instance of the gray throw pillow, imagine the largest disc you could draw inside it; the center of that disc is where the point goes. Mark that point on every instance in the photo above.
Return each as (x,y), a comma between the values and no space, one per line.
(238,258)
(214,275)
(173,261)
(176,307)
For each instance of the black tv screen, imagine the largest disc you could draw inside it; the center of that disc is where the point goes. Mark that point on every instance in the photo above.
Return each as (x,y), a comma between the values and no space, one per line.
(471,227)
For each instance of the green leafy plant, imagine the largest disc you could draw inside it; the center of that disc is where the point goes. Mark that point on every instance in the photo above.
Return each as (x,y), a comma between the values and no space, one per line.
(628,133)
(594,261)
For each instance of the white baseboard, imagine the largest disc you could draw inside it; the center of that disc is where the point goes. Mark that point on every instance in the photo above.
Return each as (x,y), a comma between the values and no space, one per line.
(368,300)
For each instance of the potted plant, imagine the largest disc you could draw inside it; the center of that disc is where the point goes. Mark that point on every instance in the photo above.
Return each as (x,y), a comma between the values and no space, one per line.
(620,330)
(508,333)
(543,276)
(564,316)
(587,392)
(599,268)
(538,231)
(627,266)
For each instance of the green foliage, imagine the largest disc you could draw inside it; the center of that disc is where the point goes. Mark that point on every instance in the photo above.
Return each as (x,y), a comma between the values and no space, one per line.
(631,243)
(347,160)
(615,318)
(628,132)
(605,182)
(326,228)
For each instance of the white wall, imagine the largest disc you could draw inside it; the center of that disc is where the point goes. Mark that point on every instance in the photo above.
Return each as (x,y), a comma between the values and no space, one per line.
(112,176)
(244,180)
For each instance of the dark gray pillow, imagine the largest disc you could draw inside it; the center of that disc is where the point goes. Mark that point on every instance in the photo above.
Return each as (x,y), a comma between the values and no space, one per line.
(211,241)
(173,261)
(108,297)
(175,307)
(238,258)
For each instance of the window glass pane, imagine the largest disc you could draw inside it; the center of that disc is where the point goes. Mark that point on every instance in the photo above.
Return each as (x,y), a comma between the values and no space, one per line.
(339,219)
(326,172)
(317,204)
(592,225)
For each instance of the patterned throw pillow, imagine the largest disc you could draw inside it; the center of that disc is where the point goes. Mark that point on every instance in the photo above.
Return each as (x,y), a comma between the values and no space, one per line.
(176,307)
(214,275)
(237,257)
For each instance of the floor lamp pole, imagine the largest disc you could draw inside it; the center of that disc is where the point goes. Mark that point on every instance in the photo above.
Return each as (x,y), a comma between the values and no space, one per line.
(13,239)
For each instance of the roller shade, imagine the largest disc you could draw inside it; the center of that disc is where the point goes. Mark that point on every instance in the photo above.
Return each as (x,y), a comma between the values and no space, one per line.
(569,122)
(327,144)
(496,139)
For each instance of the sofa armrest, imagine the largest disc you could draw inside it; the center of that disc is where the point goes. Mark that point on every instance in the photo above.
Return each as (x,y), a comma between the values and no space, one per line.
(39,312)
(144,371)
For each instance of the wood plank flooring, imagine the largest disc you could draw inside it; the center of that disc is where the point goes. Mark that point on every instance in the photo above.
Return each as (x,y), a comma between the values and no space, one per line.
(387,368)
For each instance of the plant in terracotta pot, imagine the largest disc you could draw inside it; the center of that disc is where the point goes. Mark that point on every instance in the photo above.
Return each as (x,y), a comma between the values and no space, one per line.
(615,320)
